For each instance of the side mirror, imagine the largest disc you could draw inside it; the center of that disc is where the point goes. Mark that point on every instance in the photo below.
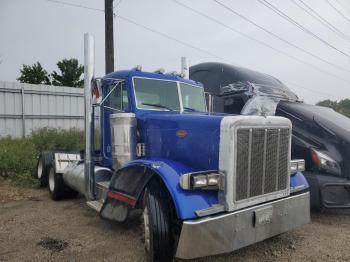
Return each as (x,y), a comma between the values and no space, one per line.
(210,101)
(96,91)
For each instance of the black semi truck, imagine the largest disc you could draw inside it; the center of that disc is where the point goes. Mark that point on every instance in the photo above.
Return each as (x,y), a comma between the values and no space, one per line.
(321,136)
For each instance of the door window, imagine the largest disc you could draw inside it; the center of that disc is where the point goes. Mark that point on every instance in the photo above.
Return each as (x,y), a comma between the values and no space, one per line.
(117,99)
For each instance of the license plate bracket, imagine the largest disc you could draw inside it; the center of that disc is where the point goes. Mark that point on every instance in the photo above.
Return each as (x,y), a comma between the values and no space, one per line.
(263,216)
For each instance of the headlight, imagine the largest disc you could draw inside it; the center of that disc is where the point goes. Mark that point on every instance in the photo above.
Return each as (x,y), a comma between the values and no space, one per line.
(210,180)
(297,165)
(325,162)
(199,181)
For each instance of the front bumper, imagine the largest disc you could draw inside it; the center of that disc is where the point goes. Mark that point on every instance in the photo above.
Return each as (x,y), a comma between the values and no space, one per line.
(327,191)
(228,232)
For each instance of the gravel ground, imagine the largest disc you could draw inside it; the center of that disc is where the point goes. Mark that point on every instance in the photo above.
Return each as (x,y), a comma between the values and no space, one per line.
(35,228)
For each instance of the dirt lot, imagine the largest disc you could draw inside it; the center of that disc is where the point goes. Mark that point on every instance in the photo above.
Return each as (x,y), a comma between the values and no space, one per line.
(35,228)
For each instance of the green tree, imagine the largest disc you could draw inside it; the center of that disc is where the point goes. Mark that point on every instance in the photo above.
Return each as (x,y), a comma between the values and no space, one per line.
(34,74)
(71,72)
(343,106)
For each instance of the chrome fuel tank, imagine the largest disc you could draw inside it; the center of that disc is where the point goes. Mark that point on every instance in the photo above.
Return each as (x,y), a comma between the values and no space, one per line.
(123,130)
(75,179)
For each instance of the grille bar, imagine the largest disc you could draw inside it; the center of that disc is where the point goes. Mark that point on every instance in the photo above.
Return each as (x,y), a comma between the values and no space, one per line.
(261,161)
(249,160)
(264,163)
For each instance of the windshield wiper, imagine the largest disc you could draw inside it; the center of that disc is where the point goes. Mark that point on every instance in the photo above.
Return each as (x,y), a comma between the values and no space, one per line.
(190,109)
(157,105)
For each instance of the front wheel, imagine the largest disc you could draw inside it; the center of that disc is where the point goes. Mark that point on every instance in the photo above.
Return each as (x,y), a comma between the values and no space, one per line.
(158,238)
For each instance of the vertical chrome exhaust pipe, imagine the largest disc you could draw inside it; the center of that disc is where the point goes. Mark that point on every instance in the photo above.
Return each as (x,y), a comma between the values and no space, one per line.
(185,70)
(89,60)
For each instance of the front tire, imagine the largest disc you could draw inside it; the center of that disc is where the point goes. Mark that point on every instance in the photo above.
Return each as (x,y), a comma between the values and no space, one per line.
(158,238)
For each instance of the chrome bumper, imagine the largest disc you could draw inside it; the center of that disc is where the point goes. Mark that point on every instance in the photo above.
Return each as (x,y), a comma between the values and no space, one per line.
(228,232)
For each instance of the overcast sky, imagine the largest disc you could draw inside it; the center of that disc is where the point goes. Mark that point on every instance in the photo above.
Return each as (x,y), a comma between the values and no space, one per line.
(45,31)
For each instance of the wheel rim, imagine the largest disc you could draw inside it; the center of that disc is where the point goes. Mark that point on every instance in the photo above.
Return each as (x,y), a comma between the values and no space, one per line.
(52,180)
(40,168)
(146,229)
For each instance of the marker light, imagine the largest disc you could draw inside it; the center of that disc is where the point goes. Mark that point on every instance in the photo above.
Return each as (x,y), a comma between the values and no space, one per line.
(160,71)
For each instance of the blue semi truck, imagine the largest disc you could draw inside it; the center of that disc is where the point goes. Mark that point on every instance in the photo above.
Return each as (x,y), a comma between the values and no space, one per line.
(202,183)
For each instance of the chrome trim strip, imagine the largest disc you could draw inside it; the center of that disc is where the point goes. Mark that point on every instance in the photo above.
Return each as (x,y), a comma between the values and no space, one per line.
(297,188)
(214,209)
(249,160)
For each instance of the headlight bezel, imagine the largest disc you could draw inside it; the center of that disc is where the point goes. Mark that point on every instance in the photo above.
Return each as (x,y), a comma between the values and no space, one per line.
(205,180)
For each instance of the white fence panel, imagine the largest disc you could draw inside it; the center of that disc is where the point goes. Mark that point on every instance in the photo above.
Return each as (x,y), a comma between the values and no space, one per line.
(26,107)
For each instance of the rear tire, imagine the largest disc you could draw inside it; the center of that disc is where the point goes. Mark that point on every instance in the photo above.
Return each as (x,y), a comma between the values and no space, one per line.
(43,167)
(57,188)
(158,238)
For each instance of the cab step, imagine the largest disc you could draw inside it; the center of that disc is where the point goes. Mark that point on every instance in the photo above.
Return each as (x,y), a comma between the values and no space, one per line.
(95,205)
(101,189)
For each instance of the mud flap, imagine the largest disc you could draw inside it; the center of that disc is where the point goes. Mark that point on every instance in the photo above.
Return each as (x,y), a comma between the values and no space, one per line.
(115,210)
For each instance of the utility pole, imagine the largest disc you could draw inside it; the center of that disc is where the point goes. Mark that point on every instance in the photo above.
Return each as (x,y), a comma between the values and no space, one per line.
(109,41)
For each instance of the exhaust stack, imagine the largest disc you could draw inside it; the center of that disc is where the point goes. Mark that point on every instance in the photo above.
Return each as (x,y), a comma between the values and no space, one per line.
(89,60)
(185,70)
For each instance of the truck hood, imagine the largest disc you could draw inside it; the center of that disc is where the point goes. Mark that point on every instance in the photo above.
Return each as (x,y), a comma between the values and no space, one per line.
(322,128)
(188,138)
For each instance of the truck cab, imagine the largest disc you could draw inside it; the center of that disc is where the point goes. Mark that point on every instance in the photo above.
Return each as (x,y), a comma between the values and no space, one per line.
(202,183)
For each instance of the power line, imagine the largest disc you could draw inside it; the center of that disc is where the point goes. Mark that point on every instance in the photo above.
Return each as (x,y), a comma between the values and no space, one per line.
(324,23)
(301,27)
(172,38)
(76,5)
(117,4)
(148,29)
(199,49)
(310,90)
(278,37)
(168,37)
(257,40)
(337,10)
(343,6)
(320,17)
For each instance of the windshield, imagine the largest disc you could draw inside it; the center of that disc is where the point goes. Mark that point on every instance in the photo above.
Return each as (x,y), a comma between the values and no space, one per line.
(163,95)
(192,98)
(156,94)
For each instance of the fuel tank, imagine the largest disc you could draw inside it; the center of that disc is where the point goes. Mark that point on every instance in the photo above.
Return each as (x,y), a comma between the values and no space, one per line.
(123,132)
(75,179)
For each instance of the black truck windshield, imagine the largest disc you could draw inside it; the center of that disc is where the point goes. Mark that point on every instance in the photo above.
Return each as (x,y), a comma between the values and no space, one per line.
(164,95)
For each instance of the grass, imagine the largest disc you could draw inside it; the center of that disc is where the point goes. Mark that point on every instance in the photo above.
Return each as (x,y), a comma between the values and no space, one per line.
(18,157)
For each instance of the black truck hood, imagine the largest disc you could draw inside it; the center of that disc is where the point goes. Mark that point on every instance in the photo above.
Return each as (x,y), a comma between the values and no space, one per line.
(320,127)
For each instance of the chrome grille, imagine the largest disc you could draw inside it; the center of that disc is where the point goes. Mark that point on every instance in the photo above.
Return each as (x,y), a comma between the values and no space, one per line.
(262,161)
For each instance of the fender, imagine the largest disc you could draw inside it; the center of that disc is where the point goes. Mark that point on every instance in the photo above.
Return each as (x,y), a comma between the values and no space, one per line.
(128,183)
(298,183)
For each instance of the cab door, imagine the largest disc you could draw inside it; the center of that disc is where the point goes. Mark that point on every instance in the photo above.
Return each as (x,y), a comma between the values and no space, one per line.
(115,100)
